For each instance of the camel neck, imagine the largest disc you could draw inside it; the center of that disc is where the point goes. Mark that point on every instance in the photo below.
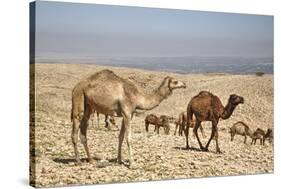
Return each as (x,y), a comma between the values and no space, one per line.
(228,110)
(150,101)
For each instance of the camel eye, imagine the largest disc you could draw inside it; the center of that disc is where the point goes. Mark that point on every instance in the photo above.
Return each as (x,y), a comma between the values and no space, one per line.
(175,82)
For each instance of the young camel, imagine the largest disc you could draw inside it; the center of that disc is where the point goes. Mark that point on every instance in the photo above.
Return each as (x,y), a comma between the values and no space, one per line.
(208,107)
(258,134)
(269,134)
(181,122)
(163,121)
(96,93)
(240,128)
(106,121)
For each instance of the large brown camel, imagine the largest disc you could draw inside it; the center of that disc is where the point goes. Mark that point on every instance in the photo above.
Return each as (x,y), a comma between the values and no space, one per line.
(208,107)
(112,95)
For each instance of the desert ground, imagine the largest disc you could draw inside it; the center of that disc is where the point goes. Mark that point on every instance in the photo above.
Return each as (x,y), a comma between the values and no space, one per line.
(157,157)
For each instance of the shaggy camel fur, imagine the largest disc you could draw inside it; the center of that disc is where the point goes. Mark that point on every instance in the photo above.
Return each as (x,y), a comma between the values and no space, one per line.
(96,93)
(208,107)
(181,122)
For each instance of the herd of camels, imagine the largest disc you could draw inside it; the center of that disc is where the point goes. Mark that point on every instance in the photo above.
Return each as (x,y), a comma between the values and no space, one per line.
(106,93)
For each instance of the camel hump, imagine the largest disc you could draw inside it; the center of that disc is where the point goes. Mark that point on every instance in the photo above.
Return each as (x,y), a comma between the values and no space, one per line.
(204,93)
(241,123)
(108,74)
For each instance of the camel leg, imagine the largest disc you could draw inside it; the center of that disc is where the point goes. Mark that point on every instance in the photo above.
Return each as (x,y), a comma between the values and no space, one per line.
(83,131)
(182,129)
(168,129)
(92,119)
(195,132)
(98,118)
(217,140)
(128,136)
(121,138)
(214,130)
(74,137)
(176,129)
(202,131)
(107,125)
(146,126)
(186,132)
(232,136)
(245,140)
(157,129)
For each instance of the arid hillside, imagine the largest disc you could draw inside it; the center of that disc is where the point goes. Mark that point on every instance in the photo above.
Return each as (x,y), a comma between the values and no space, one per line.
(157,156)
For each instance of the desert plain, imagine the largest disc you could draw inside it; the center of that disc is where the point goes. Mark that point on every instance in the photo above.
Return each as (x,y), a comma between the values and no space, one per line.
(157,157)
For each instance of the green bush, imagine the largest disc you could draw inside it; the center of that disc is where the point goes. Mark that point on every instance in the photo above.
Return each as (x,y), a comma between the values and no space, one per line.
(259,73)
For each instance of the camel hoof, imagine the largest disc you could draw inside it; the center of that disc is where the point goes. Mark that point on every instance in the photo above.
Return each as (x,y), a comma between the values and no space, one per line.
(219,152)
(133,165)
(119,161)
(205,150)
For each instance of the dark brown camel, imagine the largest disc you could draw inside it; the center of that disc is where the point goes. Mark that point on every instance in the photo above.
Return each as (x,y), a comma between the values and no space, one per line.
(208,107)
(112,95)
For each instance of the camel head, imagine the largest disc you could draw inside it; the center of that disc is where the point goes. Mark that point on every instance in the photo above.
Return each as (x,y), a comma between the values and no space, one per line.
(174,84)
(112,121)
(235,99)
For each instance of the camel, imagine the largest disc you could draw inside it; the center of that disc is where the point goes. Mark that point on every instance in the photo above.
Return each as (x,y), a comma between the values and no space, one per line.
(208,107)
(269,134)
(258,134)
(111,120)
(181,122)
(112,95)
(241,128)
(163,121)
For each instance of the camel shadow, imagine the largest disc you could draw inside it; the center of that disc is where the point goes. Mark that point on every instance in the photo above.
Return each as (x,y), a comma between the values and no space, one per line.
(73,160)
(193,149)
(112,161)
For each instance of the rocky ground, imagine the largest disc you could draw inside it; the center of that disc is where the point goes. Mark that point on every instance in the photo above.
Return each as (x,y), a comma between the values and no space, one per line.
(157,157)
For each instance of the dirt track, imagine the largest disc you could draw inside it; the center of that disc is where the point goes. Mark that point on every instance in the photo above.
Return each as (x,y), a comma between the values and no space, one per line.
(157,156)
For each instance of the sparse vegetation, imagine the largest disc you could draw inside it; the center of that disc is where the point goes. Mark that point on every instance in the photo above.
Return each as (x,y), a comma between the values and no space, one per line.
(260,74)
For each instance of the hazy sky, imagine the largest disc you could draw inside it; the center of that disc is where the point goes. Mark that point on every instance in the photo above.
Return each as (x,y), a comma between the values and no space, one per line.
(103,30)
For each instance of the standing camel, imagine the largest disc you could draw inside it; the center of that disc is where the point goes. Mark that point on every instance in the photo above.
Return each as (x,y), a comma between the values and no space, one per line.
(111,120)
(112,95)
(181,122)
(208,107)
(162,121)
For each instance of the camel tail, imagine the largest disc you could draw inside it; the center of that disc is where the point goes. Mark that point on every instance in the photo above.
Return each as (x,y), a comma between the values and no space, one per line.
(77,103)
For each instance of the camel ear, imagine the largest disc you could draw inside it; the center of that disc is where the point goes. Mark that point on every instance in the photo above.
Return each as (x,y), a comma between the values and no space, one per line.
(232,95)
(169,79)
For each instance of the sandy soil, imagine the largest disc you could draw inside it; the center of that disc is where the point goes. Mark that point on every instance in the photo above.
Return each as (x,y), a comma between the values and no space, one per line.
(157,156)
